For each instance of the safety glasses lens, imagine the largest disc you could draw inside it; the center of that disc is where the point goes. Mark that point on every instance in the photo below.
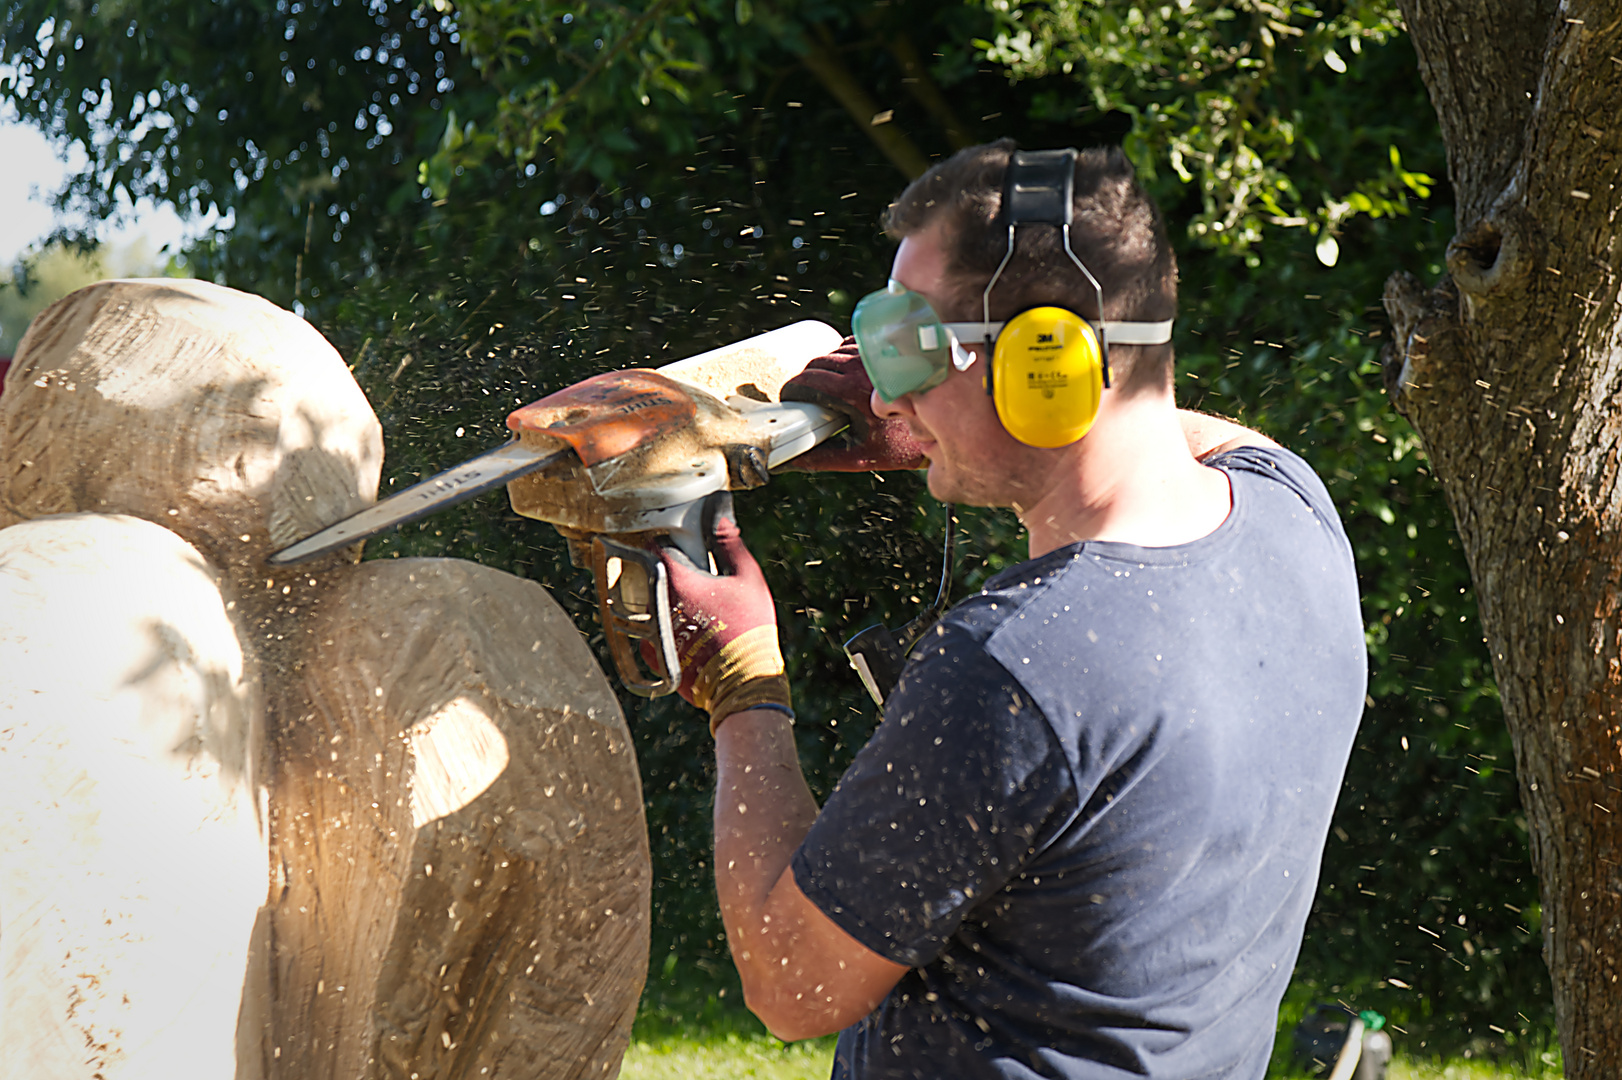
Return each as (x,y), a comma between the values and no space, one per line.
(904,347)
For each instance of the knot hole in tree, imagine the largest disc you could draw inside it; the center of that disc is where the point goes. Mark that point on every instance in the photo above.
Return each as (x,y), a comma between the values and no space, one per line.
(1494,253)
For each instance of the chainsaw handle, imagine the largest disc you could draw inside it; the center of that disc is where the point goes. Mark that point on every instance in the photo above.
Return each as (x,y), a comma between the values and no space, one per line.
(633,601)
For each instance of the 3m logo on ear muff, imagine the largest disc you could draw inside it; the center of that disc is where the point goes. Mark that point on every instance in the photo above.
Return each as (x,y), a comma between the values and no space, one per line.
(1046,376)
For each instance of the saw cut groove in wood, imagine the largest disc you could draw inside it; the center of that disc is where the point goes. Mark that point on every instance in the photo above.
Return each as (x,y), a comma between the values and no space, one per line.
(212,412)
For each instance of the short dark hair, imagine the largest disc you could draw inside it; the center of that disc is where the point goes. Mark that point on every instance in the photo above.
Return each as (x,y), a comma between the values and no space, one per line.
(1116,231)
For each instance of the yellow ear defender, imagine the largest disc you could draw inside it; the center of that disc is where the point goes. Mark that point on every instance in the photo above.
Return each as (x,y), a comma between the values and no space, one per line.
(1047,376)
(1048,366)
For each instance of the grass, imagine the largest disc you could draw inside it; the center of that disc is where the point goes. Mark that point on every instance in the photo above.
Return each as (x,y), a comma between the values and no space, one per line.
(731,1056)
(687,1032)
(1403,1069)
(742,1056)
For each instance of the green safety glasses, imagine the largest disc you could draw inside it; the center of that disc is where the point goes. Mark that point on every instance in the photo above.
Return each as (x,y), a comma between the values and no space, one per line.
(904,345)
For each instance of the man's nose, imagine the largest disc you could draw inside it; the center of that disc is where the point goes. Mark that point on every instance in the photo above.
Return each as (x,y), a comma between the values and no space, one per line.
(884,410)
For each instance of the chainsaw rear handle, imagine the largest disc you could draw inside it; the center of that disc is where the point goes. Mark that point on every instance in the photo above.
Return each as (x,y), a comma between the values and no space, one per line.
(633,601)
(633,593)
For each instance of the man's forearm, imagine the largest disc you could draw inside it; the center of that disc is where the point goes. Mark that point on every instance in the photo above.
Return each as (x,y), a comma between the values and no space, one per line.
(763,810)
(803,975)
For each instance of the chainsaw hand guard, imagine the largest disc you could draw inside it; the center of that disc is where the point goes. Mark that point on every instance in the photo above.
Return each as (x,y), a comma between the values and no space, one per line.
(633,600)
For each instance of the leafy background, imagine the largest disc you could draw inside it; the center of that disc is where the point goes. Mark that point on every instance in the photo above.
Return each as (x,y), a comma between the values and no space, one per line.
(480,202)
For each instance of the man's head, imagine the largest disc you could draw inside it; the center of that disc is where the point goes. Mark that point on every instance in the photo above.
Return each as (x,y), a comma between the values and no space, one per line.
(1116,231)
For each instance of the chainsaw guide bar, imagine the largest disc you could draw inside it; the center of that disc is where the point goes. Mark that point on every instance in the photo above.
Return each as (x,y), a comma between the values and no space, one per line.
(455,485)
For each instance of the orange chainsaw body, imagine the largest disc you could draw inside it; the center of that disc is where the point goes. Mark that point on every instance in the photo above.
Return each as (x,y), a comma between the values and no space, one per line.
(609,414)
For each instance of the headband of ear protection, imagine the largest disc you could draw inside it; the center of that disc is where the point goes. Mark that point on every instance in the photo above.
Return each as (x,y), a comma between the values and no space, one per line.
(1048,366)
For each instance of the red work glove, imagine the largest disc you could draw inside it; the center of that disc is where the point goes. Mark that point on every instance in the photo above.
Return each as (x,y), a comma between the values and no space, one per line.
(725,624)
(839,382)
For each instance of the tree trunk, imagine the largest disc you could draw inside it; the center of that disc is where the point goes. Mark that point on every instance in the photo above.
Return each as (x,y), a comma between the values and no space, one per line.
(458,875)
(1510,369)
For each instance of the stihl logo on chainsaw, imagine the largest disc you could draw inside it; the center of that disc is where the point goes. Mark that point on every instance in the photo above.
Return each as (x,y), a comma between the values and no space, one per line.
(652,401)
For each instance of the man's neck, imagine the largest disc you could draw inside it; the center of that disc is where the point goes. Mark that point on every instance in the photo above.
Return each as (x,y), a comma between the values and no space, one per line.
(1132,479)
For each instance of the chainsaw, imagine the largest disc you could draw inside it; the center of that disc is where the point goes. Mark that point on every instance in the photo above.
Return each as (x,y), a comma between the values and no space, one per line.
(626,459)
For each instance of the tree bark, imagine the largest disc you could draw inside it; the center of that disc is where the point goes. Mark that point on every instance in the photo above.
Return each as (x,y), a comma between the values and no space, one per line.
(1510,369)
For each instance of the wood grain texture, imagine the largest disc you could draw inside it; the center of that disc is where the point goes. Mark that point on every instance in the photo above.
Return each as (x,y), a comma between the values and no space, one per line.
(132,859)
(209,411)
(456,800)
(457,863)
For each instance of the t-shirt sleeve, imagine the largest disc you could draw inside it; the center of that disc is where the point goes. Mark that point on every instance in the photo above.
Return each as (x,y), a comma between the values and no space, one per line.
(960,785)
(1284,467)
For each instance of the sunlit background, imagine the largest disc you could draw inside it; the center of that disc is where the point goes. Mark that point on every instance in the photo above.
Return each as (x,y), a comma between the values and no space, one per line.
(31,171)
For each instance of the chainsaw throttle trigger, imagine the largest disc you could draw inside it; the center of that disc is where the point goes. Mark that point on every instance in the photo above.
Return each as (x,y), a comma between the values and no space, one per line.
(633,597)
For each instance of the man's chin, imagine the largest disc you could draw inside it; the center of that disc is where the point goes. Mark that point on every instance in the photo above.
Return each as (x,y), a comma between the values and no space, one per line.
(936,480)
(947,488)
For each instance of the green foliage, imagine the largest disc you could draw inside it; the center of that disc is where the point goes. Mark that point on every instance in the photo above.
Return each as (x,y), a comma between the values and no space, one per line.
(43,277)
(1223,94)
(519,208)
(300,121)
(563,74)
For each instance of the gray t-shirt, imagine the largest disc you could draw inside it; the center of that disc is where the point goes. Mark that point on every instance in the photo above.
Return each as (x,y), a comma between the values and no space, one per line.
(1092,818)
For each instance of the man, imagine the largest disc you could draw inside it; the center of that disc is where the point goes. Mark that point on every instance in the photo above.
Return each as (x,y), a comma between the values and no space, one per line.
(1084,840)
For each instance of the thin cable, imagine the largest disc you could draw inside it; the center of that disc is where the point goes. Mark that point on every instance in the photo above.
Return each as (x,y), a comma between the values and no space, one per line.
(916,628)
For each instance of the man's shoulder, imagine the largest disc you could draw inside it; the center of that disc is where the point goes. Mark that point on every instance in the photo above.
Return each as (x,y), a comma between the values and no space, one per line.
(953,655)
(997,641)
(1276,465)
(962,666)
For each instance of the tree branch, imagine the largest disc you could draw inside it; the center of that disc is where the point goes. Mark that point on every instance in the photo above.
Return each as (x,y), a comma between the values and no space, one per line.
(925,92)
(1423,323)
(823,63)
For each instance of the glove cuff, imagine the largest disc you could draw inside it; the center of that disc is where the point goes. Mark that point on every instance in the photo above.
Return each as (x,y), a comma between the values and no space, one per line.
(770,692)
(752,654)
(746,671)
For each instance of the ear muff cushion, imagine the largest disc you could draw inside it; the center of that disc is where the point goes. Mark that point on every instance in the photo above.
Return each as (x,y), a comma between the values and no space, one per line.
(1047,376)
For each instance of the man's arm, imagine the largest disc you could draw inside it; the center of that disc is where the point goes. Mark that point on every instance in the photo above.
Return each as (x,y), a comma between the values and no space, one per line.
(1208,435)
(802,974)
